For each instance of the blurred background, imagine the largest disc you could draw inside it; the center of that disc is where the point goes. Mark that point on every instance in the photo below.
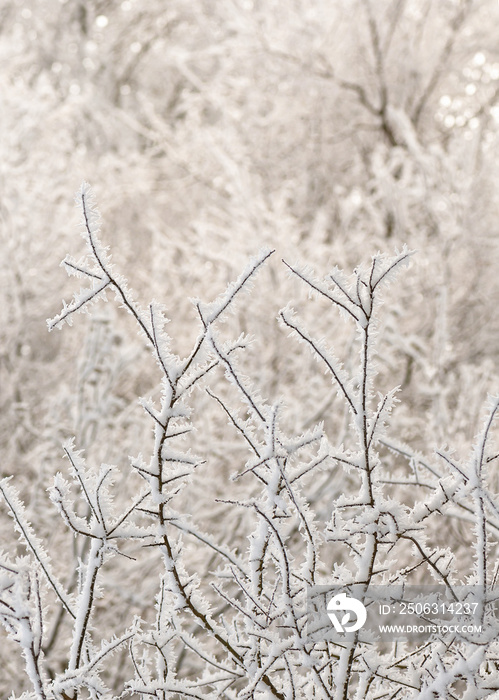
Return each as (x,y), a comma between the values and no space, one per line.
(326,129)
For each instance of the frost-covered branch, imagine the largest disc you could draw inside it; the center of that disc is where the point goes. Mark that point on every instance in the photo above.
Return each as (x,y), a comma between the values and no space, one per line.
(195,560)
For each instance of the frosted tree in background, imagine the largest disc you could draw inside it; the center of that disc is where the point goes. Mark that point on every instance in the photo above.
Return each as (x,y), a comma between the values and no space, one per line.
(318,129)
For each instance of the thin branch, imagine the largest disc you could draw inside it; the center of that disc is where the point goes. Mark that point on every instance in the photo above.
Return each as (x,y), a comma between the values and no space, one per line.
(320,354)
(30,541)
(126,302)
(235,423)
(323,292)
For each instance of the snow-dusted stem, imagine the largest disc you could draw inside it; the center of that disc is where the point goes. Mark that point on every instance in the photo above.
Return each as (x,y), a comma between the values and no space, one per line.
(31,657)
(347,657)
(85,604)
(480,497)
(363,409)
(16,509)
(30,636)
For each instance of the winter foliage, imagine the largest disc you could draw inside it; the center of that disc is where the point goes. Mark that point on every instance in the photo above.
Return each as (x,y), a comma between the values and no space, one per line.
(282,366)
(243,624)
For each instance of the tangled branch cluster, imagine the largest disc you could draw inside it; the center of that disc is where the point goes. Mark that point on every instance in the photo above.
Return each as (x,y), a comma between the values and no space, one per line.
(316,512)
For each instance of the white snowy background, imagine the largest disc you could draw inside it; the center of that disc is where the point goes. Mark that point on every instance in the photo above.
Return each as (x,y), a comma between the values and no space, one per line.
(307,190)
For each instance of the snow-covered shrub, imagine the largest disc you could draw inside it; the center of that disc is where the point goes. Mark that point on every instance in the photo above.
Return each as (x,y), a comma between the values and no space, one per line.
(170,586)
